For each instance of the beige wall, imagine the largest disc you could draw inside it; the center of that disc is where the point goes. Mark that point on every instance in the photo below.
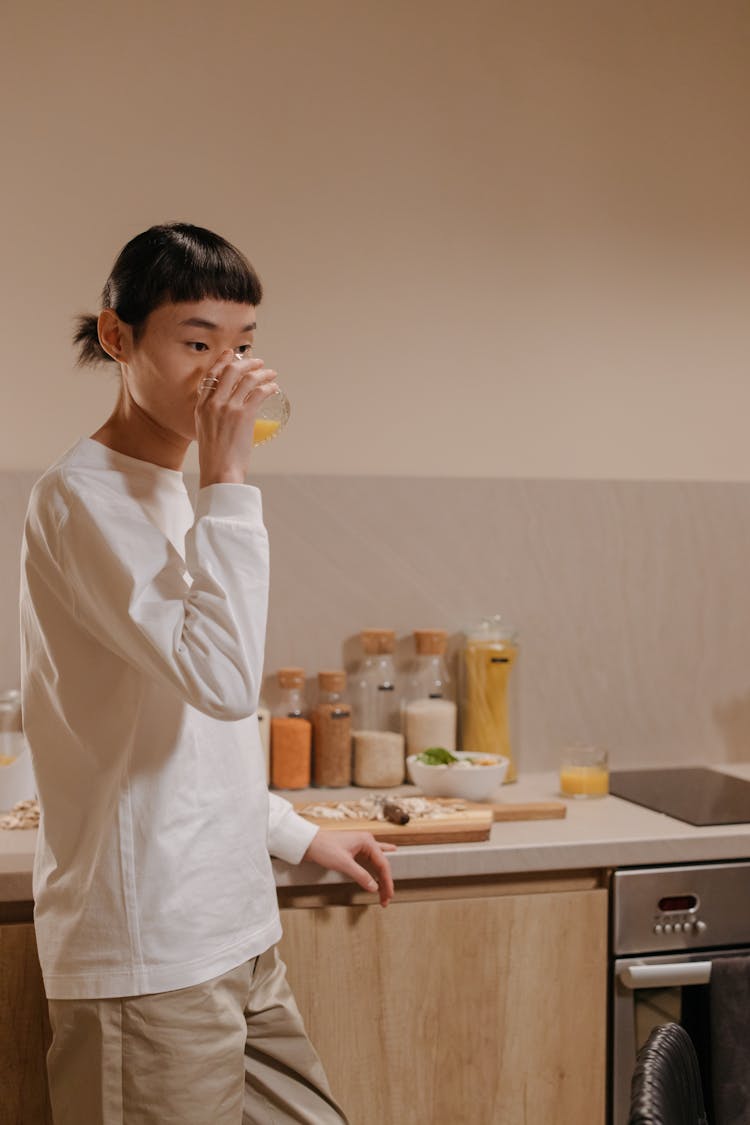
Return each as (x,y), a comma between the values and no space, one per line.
(497,238)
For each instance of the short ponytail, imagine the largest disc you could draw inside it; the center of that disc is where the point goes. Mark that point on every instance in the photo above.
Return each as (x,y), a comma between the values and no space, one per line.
(172,262)
(86,340)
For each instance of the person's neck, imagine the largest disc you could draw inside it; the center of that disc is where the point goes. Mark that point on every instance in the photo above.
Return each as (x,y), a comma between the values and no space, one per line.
(132,432)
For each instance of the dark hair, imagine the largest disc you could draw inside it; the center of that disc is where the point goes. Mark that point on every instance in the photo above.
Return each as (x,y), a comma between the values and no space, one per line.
(171,262)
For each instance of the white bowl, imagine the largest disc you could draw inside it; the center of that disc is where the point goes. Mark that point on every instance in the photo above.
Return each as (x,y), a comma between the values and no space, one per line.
(476,783)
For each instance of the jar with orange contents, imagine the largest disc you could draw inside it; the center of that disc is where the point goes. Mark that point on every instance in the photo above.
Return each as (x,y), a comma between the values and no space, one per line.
(291,733)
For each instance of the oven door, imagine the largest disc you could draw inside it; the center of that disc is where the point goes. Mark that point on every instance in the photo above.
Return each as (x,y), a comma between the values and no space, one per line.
(646,992)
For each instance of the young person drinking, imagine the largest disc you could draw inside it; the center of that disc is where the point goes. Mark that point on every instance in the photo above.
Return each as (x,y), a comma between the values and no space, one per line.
(143,627)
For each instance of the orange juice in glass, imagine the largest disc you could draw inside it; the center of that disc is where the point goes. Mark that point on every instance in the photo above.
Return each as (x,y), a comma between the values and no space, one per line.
(584,772)
(271,418)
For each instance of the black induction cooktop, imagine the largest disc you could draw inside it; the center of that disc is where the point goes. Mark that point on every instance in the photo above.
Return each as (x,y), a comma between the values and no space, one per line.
(696,795)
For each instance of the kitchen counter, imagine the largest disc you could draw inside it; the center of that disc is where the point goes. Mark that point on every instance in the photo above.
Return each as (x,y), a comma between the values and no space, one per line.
(606,832)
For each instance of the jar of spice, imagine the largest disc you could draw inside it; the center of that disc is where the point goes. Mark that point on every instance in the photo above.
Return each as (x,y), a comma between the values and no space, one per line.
(332,732)
(378,758)
(291,733)
(429,714)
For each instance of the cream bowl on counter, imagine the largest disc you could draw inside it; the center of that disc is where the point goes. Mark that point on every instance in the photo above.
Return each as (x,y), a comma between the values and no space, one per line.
(471,783)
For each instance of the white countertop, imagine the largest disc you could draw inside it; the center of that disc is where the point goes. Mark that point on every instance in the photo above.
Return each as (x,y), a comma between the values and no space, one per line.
(600,833)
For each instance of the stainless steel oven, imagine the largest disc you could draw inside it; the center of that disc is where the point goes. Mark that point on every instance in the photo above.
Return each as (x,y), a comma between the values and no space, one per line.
(668,925)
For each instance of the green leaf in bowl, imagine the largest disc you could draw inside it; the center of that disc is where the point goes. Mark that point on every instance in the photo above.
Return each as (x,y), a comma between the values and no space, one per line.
(436,756)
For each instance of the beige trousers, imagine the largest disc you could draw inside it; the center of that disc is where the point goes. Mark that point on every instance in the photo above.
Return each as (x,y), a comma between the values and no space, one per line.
(232,1051)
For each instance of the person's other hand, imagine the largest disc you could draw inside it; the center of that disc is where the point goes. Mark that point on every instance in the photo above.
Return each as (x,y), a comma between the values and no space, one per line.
(340,851)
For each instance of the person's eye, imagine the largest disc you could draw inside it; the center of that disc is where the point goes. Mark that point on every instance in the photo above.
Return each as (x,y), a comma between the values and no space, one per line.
(243,349)
(198,345)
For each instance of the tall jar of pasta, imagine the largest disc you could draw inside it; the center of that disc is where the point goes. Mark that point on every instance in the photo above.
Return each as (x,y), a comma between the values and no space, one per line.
(489,691)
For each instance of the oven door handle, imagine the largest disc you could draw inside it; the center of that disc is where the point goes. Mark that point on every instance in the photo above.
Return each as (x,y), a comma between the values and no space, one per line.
(666,976)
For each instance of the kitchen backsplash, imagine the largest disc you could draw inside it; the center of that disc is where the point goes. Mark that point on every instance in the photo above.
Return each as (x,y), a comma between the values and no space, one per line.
(632,600)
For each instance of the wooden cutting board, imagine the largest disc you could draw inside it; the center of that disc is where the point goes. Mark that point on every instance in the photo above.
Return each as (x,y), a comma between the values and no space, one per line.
(472,824)
(528,810)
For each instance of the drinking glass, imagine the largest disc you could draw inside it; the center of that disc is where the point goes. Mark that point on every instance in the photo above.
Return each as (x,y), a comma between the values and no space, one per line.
(271,418)
(584,772)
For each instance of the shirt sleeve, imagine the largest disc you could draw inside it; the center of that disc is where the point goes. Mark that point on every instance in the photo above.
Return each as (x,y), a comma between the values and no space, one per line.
(202,633)
(289,835)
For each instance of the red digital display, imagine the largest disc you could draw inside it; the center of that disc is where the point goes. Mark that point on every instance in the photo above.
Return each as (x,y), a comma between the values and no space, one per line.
(677,903)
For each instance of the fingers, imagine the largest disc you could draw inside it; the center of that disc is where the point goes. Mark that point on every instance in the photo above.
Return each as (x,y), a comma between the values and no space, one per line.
(223,367)
(360,875)
(338,851)
(381,868)
(255,386)
(224,361)
(218,382)
(239,382)
(241,377)
(382,882)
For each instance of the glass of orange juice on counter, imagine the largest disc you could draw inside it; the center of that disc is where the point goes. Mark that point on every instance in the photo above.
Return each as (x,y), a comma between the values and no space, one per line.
(584,772)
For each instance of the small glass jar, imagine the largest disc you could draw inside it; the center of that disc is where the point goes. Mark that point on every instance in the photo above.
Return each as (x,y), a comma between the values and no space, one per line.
(291,733)
(378,760)
(374,692)
(429,714)
(332,732)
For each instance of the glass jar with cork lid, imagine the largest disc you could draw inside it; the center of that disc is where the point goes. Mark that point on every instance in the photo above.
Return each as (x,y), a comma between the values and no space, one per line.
(291,733)
(332,732)
(378,759)
(489,694)
(429,714)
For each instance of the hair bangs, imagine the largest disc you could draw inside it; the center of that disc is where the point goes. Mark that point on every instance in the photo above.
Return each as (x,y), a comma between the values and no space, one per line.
(200,268)
(173,262)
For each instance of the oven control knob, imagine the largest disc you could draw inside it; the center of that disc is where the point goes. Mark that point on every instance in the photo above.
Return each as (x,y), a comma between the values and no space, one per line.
(667,927)
(700,926)
(677,927)
(658,928)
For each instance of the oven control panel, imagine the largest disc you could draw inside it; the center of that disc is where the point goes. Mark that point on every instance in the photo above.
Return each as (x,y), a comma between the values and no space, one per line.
(671,908)
(680,926)
(678,914)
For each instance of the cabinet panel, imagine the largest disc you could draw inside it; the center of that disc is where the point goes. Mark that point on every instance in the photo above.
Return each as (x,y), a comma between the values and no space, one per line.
(24,1030)
(486,1011)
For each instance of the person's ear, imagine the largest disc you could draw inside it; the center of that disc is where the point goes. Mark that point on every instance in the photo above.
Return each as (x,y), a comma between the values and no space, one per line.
(115,336)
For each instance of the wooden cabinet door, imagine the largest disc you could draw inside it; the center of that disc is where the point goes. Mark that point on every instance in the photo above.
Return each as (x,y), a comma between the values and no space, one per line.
(24,1030)
(471,1011)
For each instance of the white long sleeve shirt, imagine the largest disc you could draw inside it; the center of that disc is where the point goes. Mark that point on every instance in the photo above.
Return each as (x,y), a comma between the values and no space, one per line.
(142,634)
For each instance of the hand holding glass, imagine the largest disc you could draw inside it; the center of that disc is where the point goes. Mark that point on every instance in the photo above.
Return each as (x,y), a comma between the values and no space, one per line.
(272,416)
